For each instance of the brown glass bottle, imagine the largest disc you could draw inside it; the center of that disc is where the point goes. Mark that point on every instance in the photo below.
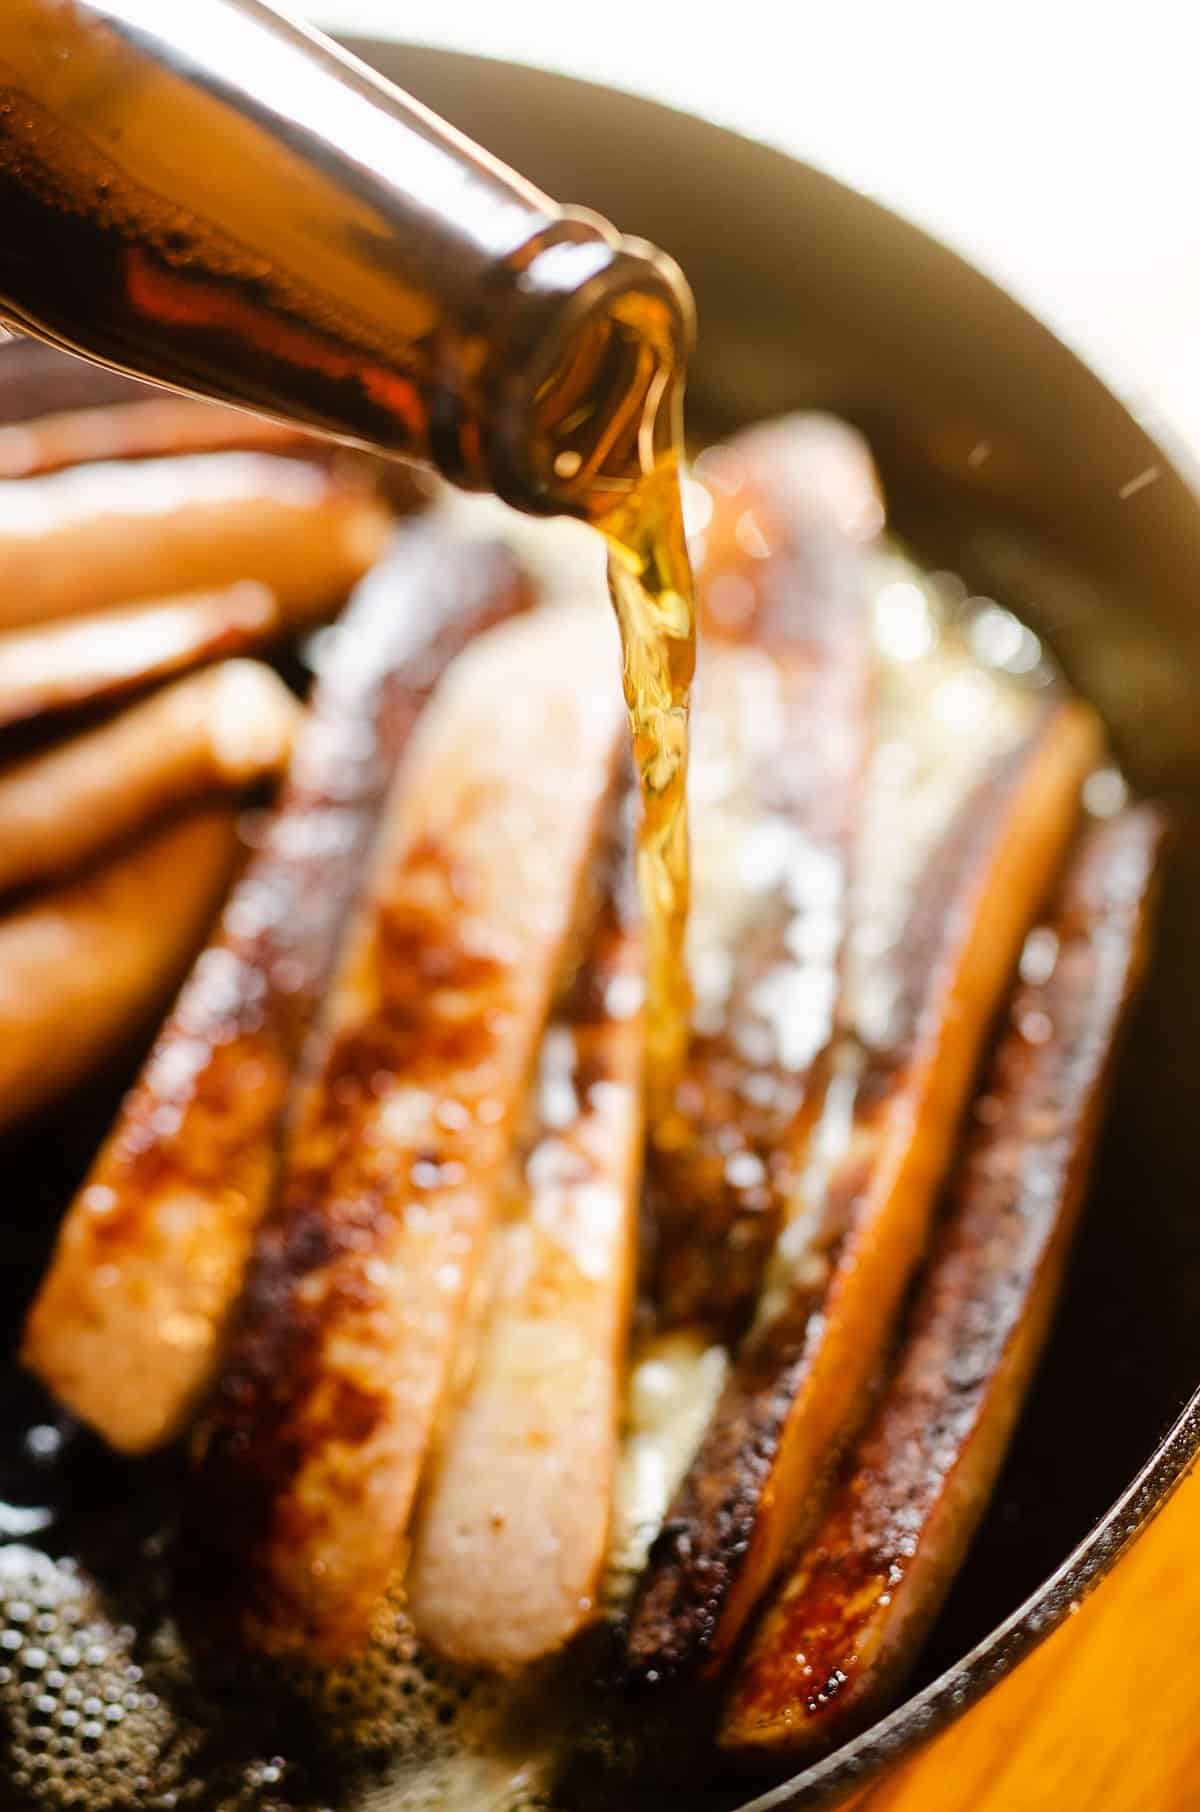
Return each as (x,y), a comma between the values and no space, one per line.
(200,192)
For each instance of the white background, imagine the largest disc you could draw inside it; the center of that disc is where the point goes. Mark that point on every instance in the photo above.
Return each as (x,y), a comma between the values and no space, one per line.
(1056,143)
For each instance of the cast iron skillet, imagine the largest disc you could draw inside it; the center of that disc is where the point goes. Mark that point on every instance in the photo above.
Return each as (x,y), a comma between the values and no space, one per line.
(810,295)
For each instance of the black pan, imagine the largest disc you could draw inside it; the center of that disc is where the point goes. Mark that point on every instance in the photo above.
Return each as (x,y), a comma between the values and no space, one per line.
(1008,462)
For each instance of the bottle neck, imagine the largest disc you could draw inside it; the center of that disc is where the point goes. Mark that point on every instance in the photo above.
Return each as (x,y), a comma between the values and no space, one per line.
(216,198)
(580,377)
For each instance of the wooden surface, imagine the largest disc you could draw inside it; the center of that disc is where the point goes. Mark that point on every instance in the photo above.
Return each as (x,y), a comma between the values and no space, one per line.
(1101,1717)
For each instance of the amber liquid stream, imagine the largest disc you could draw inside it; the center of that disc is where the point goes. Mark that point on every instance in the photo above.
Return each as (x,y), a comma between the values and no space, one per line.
(650,583)
(631,478)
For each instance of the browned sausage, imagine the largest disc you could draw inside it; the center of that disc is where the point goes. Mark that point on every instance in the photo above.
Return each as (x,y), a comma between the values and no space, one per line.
(93,660)
(511,1543)
(95,537)
(146,427)
(215,732)
(838,1636)
(82,967)
(782,722)
(151,425)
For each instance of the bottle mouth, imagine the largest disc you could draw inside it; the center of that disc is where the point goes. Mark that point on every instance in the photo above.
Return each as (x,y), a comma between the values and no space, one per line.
(588,381)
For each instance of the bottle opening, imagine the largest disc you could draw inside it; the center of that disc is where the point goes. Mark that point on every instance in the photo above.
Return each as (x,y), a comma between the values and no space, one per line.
(605,327)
